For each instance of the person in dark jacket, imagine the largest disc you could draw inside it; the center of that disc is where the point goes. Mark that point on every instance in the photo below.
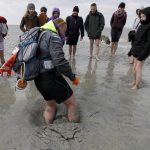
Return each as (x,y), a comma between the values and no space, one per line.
(131,34)
(94,24)
(74,25)
(30,19)
(117,22)
(50,82)
(43,16)
(141,47)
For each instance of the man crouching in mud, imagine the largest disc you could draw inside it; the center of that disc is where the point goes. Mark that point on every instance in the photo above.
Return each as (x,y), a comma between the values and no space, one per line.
(50,81)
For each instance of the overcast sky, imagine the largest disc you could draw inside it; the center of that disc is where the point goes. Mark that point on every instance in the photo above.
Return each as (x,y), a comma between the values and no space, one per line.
(13,10)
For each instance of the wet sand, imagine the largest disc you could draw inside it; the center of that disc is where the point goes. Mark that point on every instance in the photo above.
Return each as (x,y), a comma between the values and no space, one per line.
(112,117)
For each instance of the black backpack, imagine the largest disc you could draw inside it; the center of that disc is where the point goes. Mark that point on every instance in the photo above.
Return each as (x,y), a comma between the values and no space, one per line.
(131,35)
(27,64)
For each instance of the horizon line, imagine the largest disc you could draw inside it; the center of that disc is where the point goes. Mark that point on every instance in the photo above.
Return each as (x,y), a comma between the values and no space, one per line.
(104,27)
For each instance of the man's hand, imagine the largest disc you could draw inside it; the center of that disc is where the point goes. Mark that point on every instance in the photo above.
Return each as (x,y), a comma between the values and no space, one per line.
(76,81)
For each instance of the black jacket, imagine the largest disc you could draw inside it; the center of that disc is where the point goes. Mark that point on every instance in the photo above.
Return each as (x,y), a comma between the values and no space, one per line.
(94,24)
(141,44)
(74,25)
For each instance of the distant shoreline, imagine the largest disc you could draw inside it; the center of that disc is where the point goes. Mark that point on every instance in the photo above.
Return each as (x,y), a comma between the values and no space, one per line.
(104,27)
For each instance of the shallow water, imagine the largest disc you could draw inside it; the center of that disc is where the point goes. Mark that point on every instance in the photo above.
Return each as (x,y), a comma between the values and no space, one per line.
(112,116)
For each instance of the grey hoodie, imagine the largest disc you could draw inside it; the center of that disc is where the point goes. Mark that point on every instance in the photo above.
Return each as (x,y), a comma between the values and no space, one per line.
(51,46)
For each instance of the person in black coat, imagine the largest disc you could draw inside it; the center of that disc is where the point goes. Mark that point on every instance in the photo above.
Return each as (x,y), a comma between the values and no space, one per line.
(141,46)
(94,25)
(75,27)
(131,34)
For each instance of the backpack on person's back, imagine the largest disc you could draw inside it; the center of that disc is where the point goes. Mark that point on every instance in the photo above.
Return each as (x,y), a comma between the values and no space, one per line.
(26,60)
(27,63)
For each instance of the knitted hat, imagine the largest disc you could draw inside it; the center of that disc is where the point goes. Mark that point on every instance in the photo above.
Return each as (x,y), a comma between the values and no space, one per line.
(30,6)
(76,8)
(122,5)
(43,9)
(56,10)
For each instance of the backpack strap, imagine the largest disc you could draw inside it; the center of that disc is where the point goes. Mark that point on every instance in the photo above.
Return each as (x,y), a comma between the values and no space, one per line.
(41,35)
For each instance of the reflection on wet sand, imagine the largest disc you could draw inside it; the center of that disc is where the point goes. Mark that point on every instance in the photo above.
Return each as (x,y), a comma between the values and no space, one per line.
(130,74)
(110,70)
(89,82)
(7,96)
(73,64)
(112,116)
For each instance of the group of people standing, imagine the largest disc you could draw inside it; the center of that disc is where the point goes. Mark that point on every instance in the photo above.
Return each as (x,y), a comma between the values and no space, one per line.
(50,82)
(94,25)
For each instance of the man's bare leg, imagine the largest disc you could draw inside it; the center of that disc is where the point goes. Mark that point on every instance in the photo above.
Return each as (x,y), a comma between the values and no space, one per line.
(97,44)
(71,105)
(50,111)
(70,50)
(115,48)
(2,57)
(91,47)
(112,48)
(74,50)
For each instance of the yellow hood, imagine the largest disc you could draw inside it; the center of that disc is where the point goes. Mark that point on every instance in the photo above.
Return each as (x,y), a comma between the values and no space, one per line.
(49,26)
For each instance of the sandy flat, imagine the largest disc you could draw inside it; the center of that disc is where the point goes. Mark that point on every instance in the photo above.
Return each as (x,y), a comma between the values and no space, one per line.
(112,117)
